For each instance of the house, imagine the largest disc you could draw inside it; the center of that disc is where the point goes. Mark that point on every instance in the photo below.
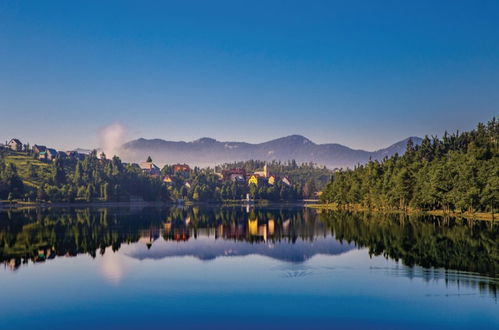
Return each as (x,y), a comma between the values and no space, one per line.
(38,148)
(51,154)
(15,145)
(42,155)
(272,180)
(237,178)
(182,168)
(253,180)
(234,174)
(265,173)
(168,179)
(149,168)
(286,181)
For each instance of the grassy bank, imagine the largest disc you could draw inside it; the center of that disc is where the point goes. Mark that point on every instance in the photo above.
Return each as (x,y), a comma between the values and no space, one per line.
(467,215)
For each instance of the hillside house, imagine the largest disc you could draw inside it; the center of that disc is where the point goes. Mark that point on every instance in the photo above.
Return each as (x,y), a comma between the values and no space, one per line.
(48,154)
(37,149)
(15,144)
(51,154)
(149,168)
(42,155)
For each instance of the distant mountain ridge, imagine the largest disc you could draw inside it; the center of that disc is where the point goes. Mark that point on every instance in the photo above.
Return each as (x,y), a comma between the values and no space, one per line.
(210,152)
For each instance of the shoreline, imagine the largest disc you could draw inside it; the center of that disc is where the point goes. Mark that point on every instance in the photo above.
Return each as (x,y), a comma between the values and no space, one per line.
(31,205)
(45,205)
(466,215)
(264,203)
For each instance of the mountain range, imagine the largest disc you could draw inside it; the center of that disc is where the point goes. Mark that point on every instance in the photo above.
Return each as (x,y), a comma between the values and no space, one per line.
(209,152)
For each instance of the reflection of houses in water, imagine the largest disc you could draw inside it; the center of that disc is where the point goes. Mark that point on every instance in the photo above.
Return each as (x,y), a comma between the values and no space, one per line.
(41,255)
(148,236)
(271,224)
(13,263)
(177,233)
(260,230)
(285,226)
(44,254)
(253,227)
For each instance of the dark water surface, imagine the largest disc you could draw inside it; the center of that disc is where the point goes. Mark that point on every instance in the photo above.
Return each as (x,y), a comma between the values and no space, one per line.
(233,268)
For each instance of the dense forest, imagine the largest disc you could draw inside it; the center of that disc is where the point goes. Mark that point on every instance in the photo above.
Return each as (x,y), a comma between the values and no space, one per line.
(458,172)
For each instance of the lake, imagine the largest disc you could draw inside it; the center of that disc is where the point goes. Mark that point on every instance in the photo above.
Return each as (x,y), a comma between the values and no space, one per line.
(278,267)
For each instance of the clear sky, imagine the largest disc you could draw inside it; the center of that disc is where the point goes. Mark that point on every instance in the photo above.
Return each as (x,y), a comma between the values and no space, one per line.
(361,73)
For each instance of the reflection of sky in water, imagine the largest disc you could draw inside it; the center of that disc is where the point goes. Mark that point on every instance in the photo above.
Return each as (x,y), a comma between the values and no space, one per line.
(348,288)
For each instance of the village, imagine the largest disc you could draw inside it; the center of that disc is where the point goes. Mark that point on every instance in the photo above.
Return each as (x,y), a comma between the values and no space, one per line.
(170,173)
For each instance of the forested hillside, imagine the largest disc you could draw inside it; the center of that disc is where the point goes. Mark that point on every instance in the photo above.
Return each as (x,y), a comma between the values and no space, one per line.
(26,178)
(458,172)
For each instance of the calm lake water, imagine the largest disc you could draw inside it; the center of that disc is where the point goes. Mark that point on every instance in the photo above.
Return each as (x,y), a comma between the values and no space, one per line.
(234,268)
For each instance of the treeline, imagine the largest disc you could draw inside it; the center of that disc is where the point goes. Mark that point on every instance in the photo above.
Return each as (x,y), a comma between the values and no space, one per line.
(91,179)
(459,172)
(203,185)
(11,184)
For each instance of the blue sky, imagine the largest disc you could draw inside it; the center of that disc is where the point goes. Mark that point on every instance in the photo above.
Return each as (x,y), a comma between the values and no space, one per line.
(361,73)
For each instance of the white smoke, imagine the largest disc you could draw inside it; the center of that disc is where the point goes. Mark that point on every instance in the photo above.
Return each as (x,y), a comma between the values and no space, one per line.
(111,138)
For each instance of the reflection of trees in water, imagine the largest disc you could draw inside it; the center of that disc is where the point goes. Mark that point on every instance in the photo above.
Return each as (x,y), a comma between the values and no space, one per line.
(430,242)
(38,235)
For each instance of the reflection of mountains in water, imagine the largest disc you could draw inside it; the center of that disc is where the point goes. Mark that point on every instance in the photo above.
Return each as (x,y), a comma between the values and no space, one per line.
(281,239)
(207,248)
